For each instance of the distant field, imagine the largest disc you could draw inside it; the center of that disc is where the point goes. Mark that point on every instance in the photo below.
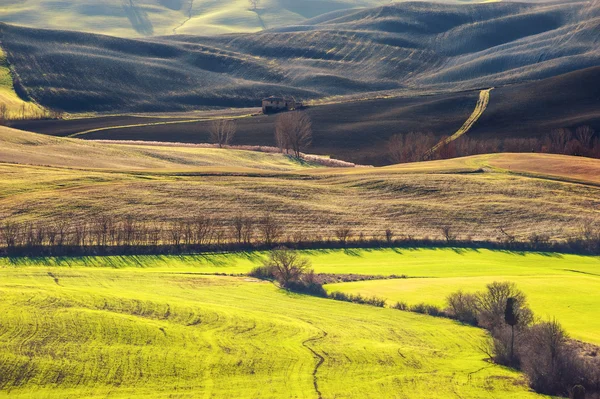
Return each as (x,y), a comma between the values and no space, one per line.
(58,178)
(100,333)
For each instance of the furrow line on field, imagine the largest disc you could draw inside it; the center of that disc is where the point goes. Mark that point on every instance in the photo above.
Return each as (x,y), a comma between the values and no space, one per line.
(320,360)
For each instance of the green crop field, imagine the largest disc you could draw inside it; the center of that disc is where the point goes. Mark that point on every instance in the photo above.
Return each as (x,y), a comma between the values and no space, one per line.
(561,286)
(156,332)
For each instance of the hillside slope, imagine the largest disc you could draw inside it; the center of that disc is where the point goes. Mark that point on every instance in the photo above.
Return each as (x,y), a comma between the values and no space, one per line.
(404,48)
(520,193)
(26,148)
(137,18)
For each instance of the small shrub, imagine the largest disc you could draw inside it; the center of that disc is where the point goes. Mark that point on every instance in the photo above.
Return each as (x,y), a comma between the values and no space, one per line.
(262,273)
(357,298)
(430,310)
(400,306)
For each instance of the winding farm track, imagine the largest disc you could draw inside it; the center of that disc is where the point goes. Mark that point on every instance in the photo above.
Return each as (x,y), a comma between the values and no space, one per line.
(482,103)
(320,360)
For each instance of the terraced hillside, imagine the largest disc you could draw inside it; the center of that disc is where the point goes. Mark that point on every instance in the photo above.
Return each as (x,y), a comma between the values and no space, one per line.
(130,333)
(164,17)
(77,180)
(404,48)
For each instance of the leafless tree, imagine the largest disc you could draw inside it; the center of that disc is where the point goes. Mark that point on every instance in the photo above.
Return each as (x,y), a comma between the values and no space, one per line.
(270,229)
(343,234)
(222,132)
(238,228)
(448,234)
(396,148)
(389,236)
(3,114)
(585,136)
(288,266)
(254,4)
(558,140)
(293,131)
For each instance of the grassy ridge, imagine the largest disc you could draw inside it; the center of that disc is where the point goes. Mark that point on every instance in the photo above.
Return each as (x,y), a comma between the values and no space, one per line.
(135,333)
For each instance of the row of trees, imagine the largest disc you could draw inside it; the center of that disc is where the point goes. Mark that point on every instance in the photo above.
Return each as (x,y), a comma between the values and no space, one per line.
(413,147)
(204,232)
(293,132)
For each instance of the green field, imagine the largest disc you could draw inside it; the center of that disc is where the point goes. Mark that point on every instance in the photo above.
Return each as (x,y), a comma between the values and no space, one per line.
(561,286)
(156,332)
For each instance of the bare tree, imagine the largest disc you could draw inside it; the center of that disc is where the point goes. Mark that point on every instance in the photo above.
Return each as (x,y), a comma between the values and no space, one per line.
(222,132)
(3,114)
(448,234)
(254,4)
(287,266)
(343,234)
(585,136)
(270,229)
(293,131)
(396,148)
(238,228)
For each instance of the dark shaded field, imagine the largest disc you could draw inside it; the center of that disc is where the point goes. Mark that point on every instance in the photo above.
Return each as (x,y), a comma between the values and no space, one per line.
(535,108)
(358,131)
(405,48)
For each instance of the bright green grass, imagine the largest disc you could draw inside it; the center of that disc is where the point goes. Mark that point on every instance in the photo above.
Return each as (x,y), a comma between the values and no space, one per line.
(126,333)
(573,300)
(561,286)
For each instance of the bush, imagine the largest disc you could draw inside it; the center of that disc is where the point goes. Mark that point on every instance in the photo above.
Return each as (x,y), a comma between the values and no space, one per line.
(262,273)
(463,307)
(551,366)
(430,310)
(363,300)
(400,306)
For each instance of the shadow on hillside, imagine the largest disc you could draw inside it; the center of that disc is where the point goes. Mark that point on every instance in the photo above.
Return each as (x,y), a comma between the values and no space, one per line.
(138,18)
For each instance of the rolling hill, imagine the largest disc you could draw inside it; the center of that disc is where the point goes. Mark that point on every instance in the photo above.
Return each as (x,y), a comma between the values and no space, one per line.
(404,48)
(137,18)
(59,178)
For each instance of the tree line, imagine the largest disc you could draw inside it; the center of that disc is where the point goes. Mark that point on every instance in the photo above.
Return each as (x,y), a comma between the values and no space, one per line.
(414,146)
(107,234)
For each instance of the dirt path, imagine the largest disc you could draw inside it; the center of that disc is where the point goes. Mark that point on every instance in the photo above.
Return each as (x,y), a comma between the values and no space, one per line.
(320,360)
(482,103)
